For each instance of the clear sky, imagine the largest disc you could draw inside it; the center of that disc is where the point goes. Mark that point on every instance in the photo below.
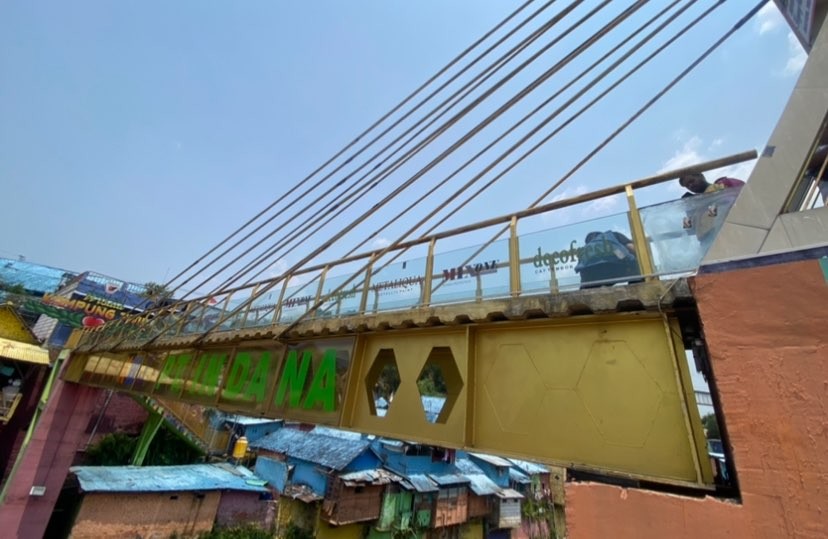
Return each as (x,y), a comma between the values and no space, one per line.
(134,135)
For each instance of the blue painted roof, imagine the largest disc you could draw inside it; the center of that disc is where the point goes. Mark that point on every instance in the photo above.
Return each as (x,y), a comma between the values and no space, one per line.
(339,433)
(420,483)
(499,462)
(329,451)
(449,479)
(35,278)
(246,421)
(517,476)
(529,468)
(479,482)
(167,478)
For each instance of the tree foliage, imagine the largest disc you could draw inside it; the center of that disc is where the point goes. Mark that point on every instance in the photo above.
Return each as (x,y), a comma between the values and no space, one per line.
(156,293)
(431,382)
(711,427)
(237,532)
(166,449)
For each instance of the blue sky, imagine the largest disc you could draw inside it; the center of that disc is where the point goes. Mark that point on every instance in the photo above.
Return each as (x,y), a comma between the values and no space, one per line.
(135,135)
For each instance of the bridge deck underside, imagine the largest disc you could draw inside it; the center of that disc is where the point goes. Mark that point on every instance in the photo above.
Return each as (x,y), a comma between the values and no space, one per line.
(593,379)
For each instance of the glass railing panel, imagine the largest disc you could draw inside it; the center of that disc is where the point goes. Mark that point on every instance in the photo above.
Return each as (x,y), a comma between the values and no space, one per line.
(263,308)
(398,285)
(297,300)
(345,302)
(680,232)
(581,255)
(472,273)
(237,309)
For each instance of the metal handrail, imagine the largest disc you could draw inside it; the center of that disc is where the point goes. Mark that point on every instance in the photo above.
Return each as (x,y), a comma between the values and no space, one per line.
(242,310)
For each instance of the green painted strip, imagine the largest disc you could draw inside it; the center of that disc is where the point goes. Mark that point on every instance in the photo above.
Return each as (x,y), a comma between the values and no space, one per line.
(823,262)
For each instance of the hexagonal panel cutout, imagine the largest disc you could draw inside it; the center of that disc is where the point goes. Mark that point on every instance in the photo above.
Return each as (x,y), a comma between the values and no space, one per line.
(439,384)
(382,382)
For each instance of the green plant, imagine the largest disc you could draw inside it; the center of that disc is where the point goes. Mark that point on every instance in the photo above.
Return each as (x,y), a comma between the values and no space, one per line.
(237,532)
(711,427)
(295,532)
(112,450)
(167,449)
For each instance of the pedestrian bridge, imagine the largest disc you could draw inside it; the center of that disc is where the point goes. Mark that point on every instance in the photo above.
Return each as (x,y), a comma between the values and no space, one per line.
(531,361)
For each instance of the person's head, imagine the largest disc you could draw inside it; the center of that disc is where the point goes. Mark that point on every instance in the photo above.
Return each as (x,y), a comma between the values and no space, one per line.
(694,182)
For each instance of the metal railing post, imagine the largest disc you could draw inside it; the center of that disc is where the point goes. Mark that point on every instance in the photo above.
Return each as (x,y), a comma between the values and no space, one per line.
(514,259)
(366,285)
(642,248)
(429,273)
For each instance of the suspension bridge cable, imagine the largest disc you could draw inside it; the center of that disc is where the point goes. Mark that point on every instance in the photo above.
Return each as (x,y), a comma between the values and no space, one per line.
(472,132)
(401,104)
(462,92)
(504,107)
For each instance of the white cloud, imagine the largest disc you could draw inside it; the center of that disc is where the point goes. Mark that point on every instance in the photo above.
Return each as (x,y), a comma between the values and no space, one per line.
(581,212)
(797,56)
(691,153)
(768,19)
(380,243)
(688,154)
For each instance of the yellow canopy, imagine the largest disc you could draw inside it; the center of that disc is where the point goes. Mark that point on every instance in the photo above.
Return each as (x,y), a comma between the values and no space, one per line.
(20,351)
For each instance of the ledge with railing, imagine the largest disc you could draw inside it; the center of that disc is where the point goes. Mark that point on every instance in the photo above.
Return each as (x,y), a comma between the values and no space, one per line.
(648,243)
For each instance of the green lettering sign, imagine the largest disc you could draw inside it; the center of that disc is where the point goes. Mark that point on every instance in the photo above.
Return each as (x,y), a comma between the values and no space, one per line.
(238,375)
(258,382)
(323,385)
(210,380)
(173,370)
(293,378)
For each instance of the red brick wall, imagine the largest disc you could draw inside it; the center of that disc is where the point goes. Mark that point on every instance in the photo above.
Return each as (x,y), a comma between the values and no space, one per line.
(120,414)
(766,333)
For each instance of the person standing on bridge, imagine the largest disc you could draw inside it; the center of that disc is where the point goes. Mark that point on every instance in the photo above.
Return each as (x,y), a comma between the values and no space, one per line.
(703,219)
(605,259)
(697,184)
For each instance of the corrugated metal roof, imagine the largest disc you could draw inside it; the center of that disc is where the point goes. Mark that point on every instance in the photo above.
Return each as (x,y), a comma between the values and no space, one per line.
(492,459)
(166,478)
(248,421)
(302,493)
(379,476)
(518,477)
(328,451)
(21,351)
(448,479)
(508,493)
(530,468)
(421,483)
(338,433)
(481,485)
(33,277)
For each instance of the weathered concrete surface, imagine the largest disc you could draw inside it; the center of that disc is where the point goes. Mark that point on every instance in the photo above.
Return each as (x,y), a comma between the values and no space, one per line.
(765,331)
(637,297)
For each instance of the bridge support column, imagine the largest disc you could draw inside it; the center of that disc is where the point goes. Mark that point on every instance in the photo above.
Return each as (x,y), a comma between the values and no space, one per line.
(148,433)
(58,436)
